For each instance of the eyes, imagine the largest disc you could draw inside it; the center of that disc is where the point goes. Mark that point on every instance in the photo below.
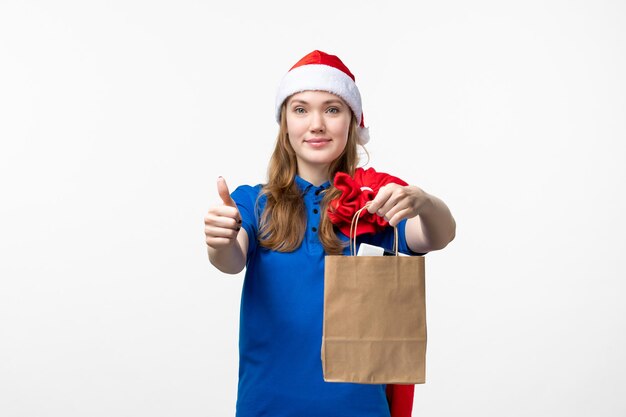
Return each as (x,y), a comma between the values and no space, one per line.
(302,110)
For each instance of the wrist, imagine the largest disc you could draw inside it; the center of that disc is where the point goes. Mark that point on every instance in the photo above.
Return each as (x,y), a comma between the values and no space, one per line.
(428,205)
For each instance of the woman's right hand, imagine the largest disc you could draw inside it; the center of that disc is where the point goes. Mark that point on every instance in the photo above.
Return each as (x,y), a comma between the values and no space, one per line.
(222,222)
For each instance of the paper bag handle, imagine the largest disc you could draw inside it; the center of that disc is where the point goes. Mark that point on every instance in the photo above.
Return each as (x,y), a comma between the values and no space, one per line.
(353,226)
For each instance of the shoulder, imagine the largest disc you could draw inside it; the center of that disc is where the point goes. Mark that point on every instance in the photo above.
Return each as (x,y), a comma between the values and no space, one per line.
(246,192)
(247,199)
(247,196)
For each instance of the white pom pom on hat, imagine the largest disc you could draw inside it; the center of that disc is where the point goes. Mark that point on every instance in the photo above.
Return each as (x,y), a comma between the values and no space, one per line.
(321,71)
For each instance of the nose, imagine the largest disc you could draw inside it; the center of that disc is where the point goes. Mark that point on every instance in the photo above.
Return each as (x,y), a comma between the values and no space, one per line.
(317,122)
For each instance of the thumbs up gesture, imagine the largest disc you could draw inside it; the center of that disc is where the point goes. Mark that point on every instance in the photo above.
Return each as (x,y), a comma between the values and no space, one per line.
(222,222)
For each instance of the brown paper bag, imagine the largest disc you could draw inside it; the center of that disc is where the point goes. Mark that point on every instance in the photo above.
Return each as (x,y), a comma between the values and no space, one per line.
(374,328)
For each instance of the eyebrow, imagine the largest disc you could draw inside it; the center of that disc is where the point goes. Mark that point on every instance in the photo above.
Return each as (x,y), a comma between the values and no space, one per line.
(331,101)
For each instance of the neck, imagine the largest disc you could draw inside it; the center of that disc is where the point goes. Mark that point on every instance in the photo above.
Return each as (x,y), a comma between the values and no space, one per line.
(315,176)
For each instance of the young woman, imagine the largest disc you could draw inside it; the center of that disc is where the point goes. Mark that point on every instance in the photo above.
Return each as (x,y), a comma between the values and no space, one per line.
(281,232)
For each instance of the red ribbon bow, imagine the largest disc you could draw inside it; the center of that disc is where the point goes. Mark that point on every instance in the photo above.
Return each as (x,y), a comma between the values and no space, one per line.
(355,193)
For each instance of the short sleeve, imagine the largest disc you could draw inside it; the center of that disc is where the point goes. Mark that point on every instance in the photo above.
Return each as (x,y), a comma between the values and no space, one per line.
(403,246)
(245,197)
(386,240)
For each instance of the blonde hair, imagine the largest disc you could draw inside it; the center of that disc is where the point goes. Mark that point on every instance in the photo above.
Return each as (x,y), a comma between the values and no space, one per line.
(283,222)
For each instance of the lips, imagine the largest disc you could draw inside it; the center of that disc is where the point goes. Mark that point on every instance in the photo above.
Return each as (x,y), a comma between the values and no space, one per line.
(317,140)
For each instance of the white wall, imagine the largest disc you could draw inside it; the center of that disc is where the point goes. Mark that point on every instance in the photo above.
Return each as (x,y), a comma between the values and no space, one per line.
(117,117)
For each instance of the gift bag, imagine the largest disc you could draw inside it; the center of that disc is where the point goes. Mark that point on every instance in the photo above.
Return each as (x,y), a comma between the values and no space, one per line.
(374,328)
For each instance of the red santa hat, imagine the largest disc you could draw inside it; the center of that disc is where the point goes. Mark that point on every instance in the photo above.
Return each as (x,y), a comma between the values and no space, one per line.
(321,71)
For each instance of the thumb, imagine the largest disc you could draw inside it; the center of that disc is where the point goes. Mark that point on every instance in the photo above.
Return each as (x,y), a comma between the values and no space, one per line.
(222,190)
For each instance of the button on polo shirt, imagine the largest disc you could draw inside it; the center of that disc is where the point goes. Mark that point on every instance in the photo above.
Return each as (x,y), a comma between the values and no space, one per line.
(280,331)
(312,200)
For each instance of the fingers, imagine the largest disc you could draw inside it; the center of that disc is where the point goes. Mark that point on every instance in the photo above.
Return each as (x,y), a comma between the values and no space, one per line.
(402,206)
(399,216)
(395,203)
(229,208)
(216,220)
(222,223)
(381,198)
(221,231)
(217,232)
(222,190)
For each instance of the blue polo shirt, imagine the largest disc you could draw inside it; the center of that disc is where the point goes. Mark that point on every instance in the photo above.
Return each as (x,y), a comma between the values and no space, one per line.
(280,333)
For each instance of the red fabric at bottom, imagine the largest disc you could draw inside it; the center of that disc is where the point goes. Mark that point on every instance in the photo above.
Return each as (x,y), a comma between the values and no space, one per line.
(400,399)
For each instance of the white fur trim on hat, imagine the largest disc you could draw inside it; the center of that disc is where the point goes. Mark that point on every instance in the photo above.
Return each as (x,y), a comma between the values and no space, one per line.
(364,135)
(323,78)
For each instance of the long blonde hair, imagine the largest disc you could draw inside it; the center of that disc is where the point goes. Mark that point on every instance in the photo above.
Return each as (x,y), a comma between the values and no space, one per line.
(283,223)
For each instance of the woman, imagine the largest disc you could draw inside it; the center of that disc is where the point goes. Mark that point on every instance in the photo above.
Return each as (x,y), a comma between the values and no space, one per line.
(286,233)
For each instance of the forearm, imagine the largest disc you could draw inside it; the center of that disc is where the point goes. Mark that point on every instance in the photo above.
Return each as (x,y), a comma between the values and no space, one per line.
(230,259)
(432,229)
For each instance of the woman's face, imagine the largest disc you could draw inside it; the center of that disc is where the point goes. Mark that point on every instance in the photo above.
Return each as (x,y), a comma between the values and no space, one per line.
(317,124)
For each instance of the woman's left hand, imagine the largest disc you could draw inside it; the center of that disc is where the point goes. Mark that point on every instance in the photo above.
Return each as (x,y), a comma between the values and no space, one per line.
(396,202)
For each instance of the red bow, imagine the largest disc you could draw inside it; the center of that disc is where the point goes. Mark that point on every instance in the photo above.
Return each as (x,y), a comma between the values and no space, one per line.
(355,193)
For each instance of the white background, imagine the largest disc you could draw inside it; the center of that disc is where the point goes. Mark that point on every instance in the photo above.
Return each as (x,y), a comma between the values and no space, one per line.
(117,117)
